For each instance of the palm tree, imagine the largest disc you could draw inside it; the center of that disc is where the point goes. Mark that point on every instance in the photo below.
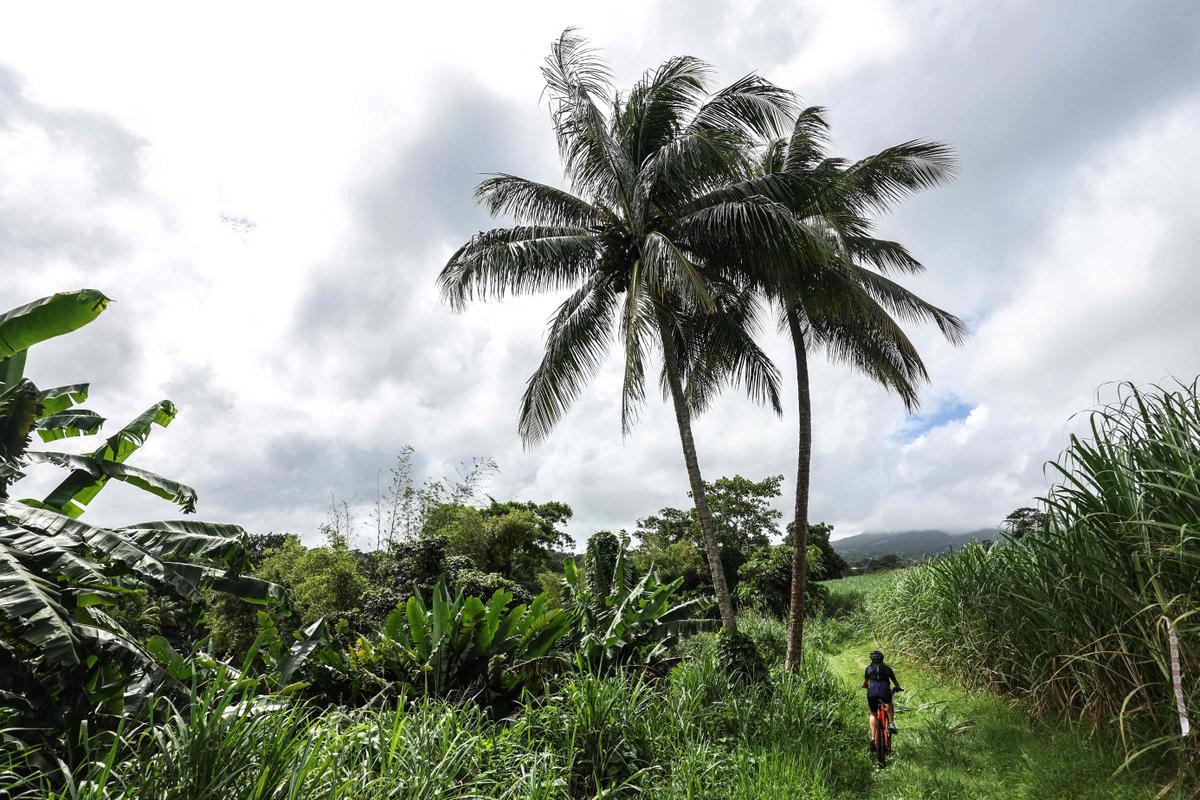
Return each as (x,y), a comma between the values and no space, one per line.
(644,237)
(844,303)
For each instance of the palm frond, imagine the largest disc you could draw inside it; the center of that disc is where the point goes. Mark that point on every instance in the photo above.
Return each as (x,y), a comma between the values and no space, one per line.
(721,350)
(752,105)
(576,342)
(659,104)
(756,237)
(518,260)
(638,323)
(806,145)
(594,162)
(534,203)
(884,255)
(668,272)
(894,173)
(907,305)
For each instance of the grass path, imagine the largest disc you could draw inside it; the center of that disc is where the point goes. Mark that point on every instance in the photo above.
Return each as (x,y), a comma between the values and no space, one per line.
(955,744)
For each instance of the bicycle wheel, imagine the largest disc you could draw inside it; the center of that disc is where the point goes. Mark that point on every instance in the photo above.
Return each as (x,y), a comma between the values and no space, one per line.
(883,736)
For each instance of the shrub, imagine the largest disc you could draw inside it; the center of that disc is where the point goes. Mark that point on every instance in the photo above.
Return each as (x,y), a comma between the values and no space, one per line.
(739,658)
(620,618)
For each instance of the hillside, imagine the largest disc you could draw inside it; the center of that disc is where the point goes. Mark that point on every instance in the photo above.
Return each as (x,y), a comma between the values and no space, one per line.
(906,544)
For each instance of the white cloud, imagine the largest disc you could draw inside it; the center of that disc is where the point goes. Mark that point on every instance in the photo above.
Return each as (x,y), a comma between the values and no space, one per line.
(305,351)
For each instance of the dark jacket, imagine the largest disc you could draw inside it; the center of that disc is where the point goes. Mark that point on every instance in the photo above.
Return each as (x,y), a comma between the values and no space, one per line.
(878,680)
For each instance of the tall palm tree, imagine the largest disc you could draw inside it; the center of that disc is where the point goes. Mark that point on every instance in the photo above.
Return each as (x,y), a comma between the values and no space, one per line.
(644,237)
(844,303)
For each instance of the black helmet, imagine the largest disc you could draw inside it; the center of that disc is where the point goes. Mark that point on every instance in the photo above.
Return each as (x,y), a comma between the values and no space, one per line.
(876,657)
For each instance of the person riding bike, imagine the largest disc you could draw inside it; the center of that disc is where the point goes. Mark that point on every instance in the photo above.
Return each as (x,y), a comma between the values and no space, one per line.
(878,680)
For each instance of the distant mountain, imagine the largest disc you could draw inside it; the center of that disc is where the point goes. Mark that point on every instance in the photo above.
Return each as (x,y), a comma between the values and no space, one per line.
(906,544)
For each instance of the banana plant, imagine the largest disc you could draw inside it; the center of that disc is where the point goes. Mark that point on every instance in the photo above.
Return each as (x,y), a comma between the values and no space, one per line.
(63,657)
(622,619)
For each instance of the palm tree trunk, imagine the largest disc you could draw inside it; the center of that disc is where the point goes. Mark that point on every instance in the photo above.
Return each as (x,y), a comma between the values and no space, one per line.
(707,530)
(795,643)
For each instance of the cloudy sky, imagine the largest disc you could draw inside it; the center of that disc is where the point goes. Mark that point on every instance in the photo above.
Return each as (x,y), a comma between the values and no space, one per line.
(269,190)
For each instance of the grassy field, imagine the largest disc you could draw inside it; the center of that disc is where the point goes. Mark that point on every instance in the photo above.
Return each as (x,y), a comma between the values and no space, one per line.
(862,585)
(846,595)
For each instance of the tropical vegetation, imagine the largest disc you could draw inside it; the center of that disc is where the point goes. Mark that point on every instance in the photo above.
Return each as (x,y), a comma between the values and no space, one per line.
(471,653)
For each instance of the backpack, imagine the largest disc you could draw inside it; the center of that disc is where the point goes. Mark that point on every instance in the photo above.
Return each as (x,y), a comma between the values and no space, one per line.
(877,680)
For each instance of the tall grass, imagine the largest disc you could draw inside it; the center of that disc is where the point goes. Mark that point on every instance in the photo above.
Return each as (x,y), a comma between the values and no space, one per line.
(1074,618)
(693,734)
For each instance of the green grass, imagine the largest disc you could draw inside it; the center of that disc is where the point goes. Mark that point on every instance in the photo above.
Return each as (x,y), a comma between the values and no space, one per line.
(863,585)
(695,734)
(958,744)
(847,596)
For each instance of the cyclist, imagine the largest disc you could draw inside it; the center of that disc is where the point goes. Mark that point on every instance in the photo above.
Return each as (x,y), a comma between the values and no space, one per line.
(878,679)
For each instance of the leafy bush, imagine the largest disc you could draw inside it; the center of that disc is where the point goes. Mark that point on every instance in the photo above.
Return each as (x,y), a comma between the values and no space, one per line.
(459,645)
(322,582)
(622,619)
(739,659)
(765,581)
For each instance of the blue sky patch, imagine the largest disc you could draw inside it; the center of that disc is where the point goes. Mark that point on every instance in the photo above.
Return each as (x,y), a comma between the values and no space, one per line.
(948,409)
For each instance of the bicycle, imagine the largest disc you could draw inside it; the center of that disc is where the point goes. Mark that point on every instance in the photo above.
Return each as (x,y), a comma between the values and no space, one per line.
(882,740)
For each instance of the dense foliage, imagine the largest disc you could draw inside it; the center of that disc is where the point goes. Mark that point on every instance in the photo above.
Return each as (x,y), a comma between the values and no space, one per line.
(1076,614)
(693,734)
(67,660)
(624,617)
(760,573)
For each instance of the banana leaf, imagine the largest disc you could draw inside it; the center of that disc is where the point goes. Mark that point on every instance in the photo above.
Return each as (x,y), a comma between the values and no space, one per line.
(100,469)
(44,319)
(60,398)
(190,578)
(12,370)
(129,554)
(31,607)
(81,486)
(76,422)
(312,638)
(188,539)
(18,414)
(58,555)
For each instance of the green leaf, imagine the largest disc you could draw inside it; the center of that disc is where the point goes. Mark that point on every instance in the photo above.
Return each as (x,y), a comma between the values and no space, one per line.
(44,319)
(192,539)
(60,398)
(418,631)
(190,578)
(18,412)
(12,370)
(77,422)
(313,637)
(53,555)
(81,486)
(110,544)
(98,468)
(32,608)
(167,657)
